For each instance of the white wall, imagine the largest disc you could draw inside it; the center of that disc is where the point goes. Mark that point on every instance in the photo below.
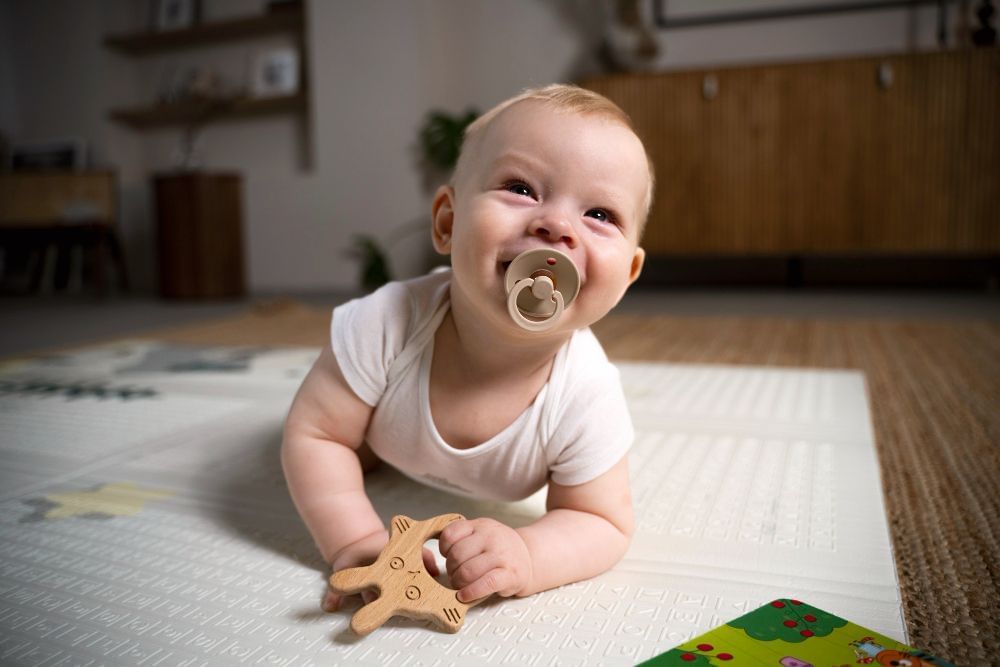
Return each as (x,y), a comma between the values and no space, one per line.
(8,104)
(379,67)
(376,67)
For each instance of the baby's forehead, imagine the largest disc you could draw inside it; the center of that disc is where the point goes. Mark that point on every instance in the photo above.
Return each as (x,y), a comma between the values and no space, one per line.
(535,124)
(528,112)
(526,118)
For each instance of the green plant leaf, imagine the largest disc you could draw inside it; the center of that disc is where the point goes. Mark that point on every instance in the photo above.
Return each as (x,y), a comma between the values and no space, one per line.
(441,137)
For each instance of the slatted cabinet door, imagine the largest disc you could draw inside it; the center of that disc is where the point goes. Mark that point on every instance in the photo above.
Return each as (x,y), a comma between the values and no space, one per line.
(894,155)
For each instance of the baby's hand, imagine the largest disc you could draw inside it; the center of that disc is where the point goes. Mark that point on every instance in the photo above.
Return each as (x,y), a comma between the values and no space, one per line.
(364,552)
(485,557)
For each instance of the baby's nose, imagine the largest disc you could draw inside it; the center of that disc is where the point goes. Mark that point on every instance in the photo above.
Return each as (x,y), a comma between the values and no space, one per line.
(554,229)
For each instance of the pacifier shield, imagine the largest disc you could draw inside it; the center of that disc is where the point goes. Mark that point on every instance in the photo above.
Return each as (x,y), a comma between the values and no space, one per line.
(536,307)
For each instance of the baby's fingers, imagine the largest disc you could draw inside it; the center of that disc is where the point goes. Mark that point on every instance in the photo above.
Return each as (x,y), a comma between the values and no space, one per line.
(454,533)
(497,580)
(331,602)
(430,563)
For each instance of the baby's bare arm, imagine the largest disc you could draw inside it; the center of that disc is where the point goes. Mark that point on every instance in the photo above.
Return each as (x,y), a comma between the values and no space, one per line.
(324,429)
(586,531)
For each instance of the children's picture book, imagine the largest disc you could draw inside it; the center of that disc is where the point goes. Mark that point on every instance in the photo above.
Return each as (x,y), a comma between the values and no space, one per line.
(791,633)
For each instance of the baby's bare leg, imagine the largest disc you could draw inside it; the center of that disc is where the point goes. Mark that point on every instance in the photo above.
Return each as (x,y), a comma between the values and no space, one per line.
(369,461)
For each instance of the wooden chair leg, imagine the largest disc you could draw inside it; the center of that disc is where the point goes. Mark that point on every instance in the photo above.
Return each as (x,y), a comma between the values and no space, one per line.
(63,254)
(37,260)
(99,261)
(118,257)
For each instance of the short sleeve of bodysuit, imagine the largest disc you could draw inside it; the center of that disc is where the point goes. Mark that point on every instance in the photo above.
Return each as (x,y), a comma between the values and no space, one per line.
(589,425)
(366,335)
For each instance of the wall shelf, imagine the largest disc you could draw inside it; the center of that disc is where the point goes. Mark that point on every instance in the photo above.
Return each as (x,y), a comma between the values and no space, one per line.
(285,21)
(289,20)
(189,113)
(207,111)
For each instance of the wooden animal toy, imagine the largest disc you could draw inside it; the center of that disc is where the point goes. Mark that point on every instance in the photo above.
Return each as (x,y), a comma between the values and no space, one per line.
(404,585)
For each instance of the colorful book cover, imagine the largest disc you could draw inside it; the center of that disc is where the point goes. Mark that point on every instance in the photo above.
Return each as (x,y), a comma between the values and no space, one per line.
(791,633)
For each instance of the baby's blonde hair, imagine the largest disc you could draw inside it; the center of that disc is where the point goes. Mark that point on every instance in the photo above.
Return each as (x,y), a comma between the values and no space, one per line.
(563,97)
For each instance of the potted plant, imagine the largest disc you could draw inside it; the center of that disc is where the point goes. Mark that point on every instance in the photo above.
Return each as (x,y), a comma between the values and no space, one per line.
(439,147)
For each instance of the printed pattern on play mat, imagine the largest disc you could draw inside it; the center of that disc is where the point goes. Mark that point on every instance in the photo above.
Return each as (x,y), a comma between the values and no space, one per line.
(180,545)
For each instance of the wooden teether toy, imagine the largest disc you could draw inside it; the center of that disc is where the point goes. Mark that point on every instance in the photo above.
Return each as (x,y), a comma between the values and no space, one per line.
(540,284)
(404,585)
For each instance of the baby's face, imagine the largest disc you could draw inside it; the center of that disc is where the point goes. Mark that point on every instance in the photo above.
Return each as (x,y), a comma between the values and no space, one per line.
(546,178)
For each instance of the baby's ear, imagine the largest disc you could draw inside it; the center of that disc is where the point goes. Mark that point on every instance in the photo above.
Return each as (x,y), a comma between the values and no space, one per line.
(638,260)
(443,218)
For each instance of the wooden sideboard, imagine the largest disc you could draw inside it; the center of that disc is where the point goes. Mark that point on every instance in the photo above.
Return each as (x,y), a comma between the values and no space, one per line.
(42,211)
(893,155)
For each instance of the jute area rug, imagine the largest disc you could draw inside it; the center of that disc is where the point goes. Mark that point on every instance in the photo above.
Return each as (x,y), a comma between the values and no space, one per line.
(935,394)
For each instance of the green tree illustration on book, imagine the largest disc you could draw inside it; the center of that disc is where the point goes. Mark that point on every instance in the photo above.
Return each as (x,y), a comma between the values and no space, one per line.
(735,643)
(788,620)
(682,657)
(791,633)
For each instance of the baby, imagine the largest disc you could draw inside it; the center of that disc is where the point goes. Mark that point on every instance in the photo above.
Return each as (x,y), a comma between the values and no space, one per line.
(434,377)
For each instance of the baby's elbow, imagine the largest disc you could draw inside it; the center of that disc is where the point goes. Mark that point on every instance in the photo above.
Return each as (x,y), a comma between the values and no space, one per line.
(294,446)
(622,517)
(626,528)
(288,450)
(622,521)
(620,540)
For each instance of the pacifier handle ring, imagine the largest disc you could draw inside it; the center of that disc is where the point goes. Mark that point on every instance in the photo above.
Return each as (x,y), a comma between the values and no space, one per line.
(524,322)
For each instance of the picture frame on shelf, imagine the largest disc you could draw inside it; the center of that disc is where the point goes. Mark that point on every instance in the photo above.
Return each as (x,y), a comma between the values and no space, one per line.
(175,14)
(275,73)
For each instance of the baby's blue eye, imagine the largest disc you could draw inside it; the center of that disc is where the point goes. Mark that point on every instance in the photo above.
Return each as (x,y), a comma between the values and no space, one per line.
(519,189)
(598,214)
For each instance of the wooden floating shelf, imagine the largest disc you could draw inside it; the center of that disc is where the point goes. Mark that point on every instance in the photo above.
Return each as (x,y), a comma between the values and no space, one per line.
(207,111)
(204,34)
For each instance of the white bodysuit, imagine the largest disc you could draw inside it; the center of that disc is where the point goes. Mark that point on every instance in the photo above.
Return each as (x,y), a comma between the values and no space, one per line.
(576,429)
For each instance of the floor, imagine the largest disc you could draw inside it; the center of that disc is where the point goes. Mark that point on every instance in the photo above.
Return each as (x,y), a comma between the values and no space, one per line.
(35,324)
(931,360)
(934,391)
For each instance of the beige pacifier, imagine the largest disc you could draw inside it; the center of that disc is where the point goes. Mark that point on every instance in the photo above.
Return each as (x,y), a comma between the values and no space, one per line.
(541,284)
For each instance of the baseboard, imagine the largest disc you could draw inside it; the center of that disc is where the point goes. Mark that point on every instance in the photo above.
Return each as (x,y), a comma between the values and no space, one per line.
(944,271)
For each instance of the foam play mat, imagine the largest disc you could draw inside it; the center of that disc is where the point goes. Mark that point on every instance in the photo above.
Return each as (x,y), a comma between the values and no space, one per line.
(144,518)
